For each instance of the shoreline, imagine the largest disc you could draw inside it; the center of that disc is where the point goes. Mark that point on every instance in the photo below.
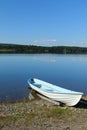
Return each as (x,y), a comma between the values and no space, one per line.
(39,114)
(19,48)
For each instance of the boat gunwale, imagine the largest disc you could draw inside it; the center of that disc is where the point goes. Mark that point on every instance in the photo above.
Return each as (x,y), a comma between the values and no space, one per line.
(73,92)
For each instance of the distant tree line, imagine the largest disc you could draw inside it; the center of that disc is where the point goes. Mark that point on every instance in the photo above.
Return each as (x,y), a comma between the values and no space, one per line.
(12,48)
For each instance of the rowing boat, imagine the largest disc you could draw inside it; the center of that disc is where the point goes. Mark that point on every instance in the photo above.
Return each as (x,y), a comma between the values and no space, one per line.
(55,93)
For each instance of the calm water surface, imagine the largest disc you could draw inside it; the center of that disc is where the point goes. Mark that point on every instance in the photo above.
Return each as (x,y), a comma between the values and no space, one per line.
(68,71)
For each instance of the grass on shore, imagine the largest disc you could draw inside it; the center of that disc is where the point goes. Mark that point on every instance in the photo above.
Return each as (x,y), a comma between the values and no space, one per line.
(39,115)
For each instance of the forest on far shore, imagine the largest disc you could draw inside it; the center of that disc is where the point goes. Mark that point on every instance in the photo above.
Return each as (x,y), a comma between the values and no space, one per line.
(14,48)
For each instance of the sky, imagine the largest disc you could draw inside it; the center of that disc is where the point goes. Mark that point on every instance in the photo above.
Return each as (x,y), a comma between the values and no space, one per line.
(44,22)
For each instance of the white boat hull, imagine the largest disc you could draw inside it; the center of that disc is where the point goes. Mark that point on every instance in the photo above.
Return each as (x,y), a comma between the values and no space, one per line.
(70,98)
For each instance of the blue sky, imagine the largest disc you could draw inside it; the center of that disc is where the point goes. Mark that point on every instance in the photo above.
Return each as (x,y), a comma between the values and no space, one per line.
(44,22)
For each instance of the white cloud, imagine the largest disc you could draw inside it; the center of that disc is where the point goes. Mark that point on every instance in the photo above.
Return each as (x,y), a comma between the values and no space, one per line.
(48,42)
(80,44)
(83,43)
(73,43)
(54,42)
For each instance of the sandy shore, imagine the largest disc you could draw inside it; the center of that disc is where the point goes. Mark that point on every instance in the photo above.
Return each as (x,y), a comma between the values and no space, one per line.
(39,114)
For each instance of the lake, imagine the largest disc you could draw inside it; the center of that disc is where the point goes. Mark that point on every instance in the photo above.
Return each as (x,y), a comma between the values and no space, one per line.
(68,71)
